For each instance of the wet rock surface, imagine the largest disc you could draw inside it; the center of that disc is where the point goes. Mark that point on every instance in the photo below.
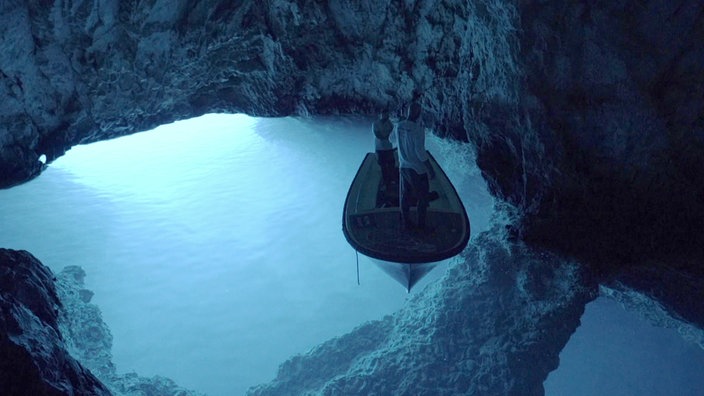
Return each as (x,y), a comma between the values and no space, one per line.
(584,119)
(494,325)
(34,359)
(53,341)
(588,117)
(621,128)
(88,338)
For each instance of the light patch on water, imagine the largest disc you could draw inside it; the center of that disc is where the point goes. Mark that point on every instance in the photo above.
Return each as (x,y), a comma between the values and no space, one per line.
(214,245)
(148,167)
(215,250)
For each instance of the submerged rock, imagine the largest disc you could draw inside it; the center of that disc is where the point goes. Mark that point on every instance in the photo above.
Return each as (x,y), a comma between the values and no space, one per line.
(494,325)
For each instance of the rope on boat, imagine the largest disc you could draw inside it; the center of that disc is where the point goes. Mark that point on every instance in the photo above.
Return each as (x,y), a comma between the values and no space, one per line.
(356,253)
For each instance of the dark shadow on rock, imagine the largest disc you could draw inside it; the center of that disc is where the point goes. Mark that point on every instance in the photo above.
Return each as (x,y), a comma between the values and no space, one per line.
(494,325)
(33,354)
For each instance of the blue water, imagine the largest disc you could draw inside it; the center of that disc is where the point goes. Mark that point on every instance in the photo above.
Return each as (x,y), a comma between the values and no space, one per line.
(617,353)
(214,245)
(215,251)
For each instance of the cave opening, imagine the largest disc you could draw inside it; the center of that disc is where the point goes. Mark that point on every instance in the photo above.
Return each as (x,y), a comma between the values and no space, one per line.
(214,250)
(213,245)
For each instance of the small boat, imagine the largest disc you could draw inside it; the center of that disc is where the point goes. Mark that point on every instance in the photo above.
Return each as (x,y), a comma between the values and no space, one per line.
(371,222)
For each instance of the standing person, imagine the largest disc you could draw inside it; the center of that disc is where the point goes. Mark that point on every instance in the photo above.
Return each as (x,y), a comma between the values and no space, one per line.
(382,129)
(414,166)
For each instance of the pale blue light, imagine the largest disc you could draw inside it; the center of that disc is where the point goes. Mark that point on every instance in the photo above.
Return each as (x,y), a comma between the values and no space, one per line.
(214,245)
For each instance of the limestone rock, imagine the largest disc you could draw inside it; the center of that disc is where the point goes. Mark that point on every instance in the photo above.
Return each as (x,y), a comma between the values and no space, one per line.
(584,119)
(608,161)
(494,326)
(33,356)
(77,72)
(88,338)
(45,323)
(587,117)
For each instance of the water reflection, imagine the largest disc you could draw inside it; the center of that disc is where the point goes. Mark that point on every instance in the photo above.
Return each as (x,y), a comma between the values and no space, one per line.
(213,245)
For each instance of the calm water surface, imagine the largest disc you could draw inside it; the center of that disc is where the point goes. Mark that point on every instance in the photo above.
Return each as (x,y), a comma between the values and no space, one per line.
(617,353)
(214,245)
(215,251)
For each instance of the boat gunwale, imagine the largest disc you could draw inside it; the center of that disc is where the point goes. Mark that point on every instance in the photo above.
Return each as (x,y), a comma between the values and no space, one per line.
(407,259)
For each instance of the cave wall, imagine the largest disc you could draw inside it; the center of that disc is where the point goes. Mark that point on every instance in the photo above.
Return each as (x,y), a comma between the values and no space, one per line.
(495,325)
(80,71)
(614,176)
(587,117)
(621,112)
(53,341)
(35,360)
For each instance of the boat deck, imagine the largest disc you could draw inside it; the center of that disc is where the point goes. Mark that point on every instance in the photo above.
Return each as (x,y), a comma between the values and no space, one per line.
(381,233)
(372,223)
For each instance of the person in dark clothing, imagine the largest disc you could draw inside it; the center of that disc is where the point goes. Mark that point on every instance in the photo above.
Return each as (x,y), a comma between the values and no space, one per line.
(382,129)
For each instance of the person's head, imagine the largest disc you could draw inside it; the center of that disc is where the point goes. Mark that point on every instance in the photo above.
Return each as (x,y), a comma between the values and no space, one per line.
(413,111)
(384,113)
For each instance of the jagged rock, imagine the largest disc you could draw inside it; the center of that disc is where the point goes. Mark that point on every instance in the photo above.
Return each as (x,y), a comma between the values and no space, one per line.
(33,356)
(611,168)
(495,325)
(88,338)
(86,71)
(666,296)
(45,323)
(583,119)
(587,117)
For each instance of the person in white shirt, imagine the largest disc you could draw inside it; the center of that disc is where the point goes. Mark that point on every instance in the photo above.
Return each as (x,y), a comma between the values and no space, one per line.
(414,166)
(382,129)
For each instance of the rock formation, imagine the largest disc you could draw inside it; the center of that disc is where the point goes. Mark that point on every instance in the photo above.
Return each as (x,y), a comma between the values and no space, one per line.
(587,117)
(88,338)
(34,358)
(51,336)
(494,325)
